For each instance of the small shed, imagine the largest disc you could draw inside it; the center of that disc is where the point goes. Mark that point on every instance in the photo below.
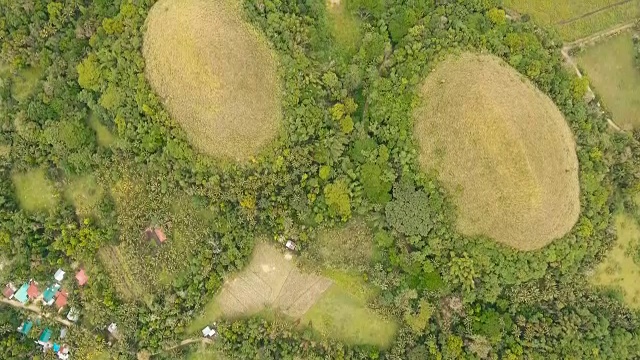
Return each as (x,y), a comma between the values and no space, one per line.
(25,327)
(160,235)
(156,233)
(209,332)
(63,353)
(59,275)
(112,328)
(291,245)
(21,295)
(73,315)
(82,277)
(33,291)
(61,299)
(9,290)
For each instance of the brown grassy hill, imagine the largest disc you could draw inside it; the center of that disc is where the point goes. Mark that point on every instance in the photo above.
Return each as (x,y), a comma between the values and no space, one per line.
(502,148)
(216,75)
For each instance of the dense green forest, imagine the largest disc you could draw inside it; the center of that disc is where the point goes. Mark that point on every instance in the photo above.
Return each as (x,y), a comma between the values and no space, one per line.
(346,151)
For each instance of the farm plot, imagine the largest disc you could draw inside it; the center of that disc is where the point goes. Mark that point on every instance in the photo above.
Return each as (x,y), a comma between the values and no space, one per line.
(621,267)
(216,75)
(576,19)
(501,148)
(34,191)
(270,281)
(612,72)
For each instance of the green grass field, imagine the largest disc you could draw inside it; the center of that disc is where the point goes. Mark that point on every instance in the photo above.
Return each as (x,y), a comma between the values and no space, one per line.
(34,191)
(574,19)
(24,83)
(342,313)
(345,28)
(610,67)
(205,352)
(619,270)
(104,136)
(84,193)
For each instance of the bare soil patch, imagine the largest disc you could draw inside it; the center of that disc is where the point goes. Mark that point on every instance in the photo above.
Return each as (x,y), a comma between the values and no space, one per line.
(216,75)
(502,149)
(270,281)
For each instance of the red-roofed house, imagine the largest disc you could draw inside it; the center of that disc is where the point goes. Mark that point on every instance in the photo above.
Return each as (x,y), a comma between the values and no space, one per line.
(9,290)
(33,291)
(160,235)
(61,299)
(82,277)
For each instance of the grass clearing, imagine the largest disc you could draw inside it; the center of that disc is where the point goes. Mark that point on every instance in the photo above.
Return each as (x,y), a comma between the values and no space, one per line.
(84,193)
(619,270)
(575,19)
(348,247)
(216,74)
(342,313)
(104,136)
(205,352)
(34,191)
(610,67)
(24,83)
(501,148)
(345,28)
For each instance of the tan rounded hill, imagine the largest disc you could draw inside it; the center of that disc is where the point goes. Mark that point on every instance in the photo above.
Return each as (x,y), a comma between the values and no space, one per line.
(502,148)
(216,75)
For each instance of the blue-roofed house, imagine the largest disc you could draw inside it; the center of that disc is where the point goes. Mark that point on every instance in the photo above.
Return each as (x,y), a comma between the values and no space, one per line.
(21,295)
(25,327)
(45,336)
(49,294)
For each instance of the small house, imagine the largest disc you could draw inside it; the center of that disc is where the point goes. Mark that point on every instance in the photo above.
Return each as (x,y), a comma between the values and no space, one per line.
(59,275)
(63,333)
(209,332)
(82,277)
(25,327)
(50,293)
(33,291)
(112,328)
(73,315)
(291,245)
(155,233)
(21,295)
(45,336)
(61,299)
(63,352)
(9,291)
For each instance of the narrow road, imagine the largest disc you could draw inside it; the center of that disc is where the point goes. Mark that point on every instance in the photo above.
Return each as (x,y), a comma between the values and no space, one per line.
(35,309)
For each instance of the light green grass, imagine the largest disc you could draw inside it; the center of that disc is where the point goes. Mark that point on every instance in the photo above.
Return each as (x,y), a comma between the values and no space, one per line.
(618,269)
(34,191)
(84,193)
(342,313)
(24,83)
(345,28)
(104,136)
(205,352)
(610,67)
(553,12)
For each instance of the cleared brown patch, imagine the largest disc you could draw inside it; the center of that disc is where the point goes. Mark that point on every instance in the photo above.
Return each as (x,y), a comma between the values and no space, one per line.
(216,75)
(502,148)
(271,280)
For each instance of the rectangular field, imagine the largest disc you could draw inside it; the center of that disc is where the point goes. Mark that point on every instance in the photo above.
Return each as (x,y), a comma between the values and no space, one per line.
(574,19)
(610,67)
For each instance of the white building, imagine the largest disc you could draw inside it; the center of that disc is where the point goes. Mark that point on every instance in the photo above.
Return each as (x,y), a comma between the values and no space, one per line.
(59,275)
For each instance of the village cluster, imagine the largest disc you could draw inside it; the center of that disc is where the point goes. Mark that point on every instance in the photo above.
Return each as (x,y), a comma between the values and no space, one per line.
(29,296)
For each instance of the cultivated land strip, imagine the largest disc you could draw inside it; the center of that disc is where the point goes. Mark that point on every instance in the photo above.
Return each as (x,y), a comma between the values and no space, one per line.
(602,9)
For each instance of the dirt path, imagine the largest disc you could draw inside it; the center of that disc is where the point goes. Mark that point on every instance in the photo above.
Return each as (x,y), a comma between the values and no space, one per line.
(568,21)
(37,310)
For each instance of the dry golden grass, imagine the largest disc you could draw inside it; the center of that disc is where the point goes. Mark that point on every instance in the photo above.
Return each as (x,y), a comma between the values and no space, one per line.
(502,148)
(217,76)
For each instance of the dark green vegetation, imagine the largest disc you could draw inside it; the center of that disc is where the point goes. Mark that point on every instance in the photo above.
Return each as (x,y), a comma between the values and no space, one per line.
(348,151)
